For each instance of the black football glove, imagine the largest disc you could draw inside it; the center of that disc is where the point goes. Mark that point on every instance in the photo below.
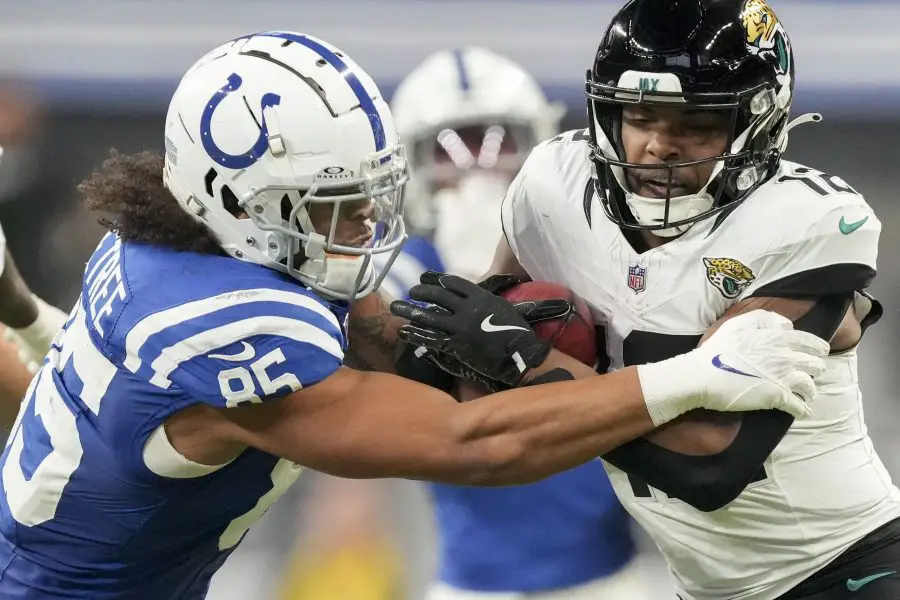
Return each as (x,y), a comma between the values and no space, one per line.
(439,371)
(475,327)
(442,370)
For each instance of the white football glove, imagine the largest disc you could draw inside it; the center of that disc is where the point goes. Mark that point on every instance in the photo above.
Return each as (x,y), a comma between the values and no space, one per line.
(754,361)
(33,342)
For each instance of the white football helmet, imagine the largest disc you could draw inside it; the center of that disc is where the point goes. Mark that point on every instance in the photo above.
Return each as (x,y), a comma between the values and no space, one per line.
(266,126)
(467,110)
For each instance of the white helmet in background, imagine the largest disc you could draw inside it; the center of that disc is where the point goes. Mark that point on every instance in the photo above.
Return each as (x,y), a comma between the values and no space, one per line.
(469,118)
(266,126)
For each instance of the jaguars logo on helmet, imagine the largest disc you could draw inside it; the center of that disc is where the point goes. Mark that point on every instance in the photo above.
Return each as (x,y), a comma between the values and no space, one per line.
(765,33)
(728,275)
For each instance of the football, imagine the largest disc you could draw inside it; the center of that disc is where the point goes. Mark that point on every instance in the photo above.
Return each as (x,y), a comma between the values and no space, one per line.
(573,334)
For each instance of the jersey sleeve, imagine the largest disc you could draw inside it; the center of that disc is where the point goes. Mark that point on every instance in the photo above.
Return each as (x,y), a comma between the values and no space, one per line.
(228,352)
(834,252)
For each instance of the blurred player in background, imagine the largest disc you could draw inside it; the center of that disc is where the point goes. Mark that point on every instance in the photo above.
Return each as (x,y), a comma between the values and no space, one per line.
(203,363)
(345,549)
(28,326)
(469,118)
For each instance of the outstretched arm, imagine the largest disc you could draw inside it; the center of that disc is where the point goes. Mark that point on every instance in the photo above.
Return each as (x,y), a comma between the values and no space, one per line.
(368,425)
(31,323)
(356,424)
(18,308)
(27,324)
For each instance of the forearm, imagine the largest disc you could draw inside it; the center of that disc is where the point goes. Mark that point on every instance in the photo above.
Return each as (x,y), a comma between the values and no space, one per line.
(536,431)
(373,425)
(17,307)
(372,331)
(558,360)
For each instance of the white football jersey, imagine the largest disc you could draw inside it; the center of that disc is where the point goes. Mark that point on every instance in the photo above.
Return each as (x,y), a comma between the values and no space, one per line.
(823,487)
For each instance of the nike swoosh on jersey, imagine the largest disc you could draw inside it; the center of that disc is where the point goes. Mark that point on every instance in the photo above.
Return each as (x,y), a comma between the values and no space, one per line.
(717,363)
(855,584)
(847,228)
(246,353)
(489,327)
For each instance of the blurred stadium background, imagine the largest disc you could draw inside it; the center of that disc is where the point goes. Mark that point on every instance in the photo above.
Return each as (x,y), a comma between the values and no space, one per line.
(79,77)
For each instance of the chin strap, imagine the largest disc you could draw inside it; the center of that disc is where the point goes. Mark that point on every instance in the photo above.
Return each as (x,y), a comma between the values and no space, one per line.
(807,118)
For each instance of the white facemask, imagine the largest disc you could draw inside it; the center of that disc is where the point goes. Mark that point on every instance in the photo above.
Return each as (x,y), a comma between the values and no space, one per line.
(468,223)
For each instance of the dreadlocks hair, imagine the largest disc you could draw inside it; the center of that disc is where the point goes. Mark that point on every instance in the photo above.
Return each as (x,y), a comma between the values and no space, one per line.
(129,197)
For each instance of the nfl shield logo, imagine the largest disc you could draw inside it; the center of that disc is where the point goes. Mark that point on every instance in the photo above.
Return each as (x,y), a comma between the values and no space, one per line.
(636,279)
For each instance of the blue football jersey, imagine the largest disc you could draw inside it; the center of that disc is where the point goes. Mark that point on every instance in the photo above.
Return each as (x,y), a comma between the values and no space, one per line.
(418,255)
(95,502)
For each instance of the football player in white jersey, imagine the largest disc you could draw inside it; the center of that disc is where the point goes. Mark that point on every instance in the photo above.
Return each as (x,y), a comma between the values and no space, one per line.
(203,363)
(671,213)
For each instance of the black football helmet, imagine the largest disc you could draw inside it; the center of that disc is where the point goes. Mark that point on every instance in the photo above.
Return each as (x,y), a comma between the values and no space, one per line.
(728,55)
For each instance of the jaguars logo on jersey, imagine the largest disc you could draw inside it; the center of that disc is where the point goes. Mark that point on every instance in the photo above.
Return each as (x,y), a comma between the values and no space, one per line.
(728,275)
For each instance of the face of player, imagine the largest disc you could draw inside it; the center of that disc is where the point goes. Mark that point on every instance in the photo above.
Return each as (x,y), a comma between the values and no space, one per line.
(657,135)
(354,221)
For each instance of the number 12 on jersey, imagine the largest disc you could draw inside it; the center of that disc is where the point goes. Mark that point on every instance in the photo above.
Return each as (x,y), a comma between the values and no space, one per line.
(641,347)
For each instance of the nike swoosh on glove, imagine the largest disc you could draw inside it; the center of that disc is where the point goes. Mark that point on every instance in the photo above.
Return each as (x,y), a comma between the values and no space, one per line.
(442,370)
(472,325)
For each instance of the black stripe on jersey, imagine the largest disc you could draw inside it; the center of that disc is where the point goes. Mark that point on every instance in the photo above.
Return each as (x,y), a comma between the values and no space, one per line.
(641,347)
(824,318)
(823,281)
(876,311)
(588,200)
(721,218)
(505,235)
(706,482)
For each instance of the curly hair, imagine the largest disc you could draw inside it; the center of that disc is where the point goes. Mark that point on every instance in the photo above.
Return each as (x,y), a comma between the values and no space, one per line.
(128,193)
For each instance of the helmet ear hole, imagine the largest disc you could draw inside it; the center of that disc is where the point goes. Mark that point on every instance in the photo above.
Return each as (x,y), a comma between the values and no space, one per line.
(286,208)
(230,203)
(208,181)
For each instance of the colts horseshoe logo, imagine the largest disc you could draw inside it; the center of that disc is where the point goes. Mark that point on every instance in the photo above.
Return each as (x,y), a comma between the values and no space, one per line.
(234,161)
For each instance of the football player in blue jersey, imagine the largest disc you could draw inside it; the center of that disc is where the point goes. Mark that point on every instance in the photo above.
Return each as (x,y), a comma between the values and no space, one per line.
(202,367)
(469,118)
